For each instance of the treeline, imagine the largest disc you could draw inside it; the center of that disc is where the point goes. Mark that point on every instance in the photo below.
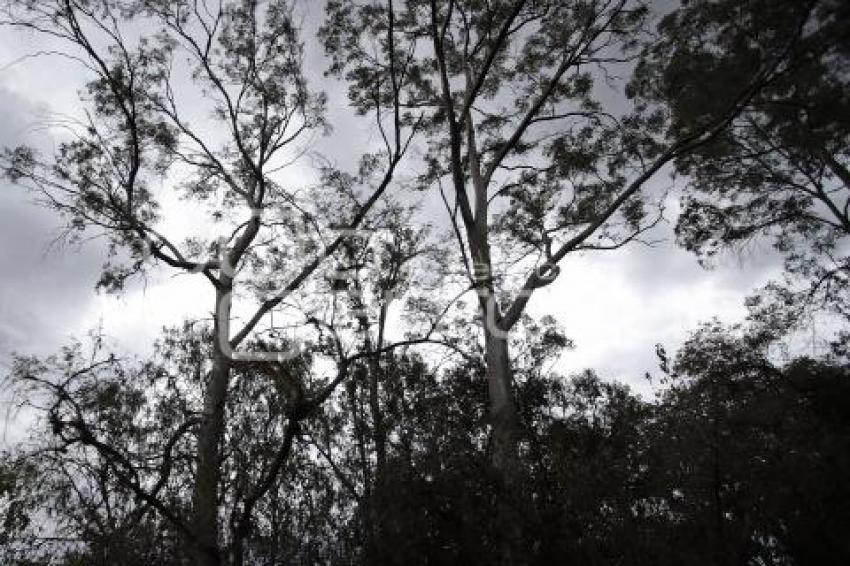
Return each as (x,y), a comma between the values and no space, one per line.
(737,461)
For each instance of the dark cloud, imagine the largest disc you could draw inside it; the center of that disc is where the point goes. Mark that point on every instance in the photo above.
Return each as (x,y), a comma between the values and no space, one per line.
(44,290)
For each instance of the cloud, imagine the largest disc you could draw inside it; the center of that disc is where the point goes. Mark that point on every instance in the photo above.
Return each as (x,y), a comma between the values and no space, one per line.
(617,305)
(43,289)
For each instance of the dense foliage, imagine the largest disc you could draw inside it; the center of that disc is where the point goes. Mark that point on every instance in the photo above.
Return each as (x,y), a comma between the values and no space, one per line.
(737,461)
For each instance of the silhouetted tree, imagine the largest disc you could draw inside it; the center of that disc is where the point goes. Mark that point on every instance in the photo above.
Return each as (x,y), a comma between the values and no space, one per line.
(779,172)
(154,69)
(749,454)
(539,167)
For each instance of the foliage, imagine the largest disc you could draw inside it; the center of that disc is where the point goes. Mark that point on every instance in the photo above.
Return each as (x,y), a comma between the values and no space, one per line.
(779,172)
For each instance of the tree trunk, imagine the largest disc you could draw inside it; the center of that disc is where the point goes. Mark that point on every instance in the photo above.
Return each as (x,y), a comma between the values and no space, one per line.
(206,550)
(504,457)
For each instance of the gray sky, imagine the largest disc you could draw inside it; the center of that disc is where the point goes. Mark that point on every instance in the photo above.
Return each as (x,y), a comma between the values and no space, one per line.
(615,305)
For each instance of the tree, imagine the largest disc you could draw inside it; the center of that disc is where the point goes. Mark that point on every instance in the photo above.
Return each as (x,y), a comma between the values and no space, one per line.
(121,425)
(110,463)
(538,166)
(779,172)
(240,62)
(748,452)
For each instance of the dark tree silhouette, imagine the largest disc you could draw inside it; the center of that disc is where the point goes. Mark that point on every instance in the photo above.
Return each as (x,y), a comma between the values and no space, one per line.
(779,173)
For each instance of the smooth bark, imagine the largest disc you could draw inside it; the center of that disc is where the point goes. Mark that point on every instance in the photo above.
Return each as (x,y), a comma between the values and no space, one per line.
(503,446)
(206,551)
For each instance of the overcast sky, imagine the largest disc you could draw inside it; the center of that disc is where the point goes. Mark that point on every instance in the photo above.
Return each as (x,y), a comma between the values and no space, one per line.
(615,305)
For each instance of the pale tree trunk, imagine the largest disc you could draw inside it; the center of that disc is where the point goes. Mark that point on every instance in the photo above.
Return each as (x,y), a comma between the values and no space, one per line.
(474,213)
(503,445)
(206,550)
(504,455)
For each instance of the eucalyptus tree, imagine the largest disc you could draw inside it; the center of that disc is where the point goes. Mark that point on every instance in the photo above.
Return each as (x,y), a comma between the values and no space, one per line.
(779,174)
(112,464)
(531,145)
(208,101)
